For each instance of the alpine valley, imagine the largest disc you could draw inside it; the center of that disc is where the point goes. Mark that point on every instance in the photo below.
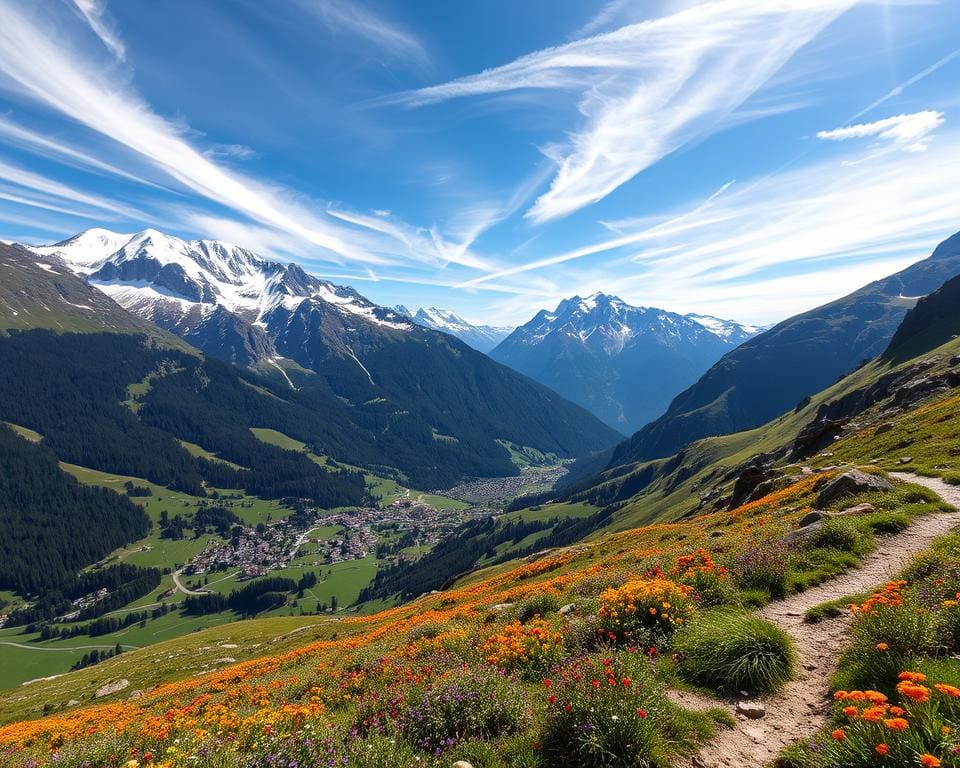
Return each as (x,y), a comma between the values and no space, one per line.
(479,385)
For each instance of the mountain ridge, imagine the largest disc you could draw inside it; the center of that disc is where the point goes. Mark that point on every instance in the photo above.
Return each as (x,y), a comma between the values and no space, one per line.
(774,370)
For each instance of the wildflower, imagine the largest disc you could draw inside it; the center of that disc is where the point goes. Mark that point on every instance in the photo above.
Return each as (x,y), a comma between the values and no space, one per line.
(883,647)
(928,761)
(882,749)
(913,677)
(851,711)
(919,693)
(641,712)
(896,724)
(838,735)
(547,683)
(947,690)
(131,764)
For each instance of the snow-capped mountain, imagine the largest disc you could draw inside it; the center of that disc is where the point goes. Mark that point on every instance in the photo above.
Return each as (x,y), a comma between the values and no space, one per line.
(730,330)
(481,337)
(370,369)
(621,362)
(223,299)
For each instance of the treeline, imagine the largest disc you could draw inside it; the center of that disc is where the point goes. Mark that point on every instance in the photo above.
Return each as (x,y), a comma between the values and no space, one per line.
(71,388)
(124,583)
(102,626)
(254,598)
(52,525)
(96,656)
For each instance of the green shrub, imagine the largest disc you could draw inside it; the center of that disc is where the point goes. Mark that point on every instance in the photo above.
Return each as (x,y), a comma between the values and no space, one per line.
(951,478)
(835,533)
(730,650)
(539,604)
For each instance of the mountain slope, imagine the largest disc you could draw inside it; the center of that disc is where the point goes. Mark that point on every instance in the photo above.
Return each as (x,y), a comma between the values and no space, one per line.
(482,338)
(44,293)
(622,363)
(401,395)
(771,372)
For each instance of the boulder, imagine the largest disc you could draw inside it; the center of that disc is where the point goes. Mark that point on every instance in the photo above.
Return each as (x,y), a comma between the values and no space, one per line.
(568,608)
(885,427)
(850,484)
(752,710)
(109,688)
(813,516)
(801,533)
(753,475)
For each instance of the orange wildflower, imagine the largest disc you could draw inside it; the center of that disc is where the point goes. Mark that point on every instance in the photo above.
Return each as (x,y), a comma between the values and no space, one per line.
(896,724)
(882,749)
(838,735)
(928,760)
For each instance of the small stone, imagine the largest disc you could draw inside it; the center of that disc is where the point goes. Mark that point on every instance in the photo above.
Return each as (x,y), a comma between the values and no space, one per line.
(72,703)
(885,427)
(905,459)
(752,710)
(859,509)
(715,534)
(135,695)
(810,667)
(501,606)
(462,764)
(568,608)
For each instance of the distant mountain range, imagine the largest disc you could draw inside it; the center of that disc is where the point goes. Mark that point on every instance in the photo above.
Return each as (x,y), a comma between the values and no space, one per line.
(483,338)
(622,363)
(773,371)
(401,395)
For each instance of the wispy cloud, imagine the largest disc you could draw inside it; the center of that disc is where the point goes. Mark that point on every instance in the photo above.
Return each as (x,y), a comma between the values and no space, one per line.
(41,144)
(61,77)
(352,18)
(35,182)
(94,13)
(650,88)
(910,132)
(760,250)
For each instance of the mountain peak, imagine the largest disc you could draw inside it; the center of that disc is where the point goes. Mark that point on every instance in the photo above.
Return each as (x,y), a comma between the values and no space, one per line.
(483,338)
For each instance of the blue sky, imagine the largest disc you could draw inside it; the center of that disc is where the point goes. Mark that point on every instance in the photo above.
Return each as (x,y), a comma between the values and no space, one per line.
(744,158)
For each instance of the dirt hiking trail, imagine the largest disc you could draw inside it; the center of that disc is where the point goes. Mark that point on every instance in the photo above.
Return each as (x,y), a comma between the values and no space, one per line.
(803,705)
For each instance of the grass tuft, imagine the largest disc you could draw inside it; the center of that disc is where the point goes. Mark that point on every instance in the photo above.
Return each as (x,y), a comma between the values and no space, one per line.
(729,650)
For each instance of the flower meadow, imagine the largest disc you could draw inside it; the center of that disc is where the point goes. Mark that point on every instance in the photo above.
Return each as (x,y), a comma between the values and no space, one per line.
(462,674)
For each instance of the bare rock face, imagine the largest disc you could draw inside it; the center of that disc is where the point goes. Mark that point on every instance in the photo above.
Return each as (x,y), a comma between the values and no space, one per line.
(851,483)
